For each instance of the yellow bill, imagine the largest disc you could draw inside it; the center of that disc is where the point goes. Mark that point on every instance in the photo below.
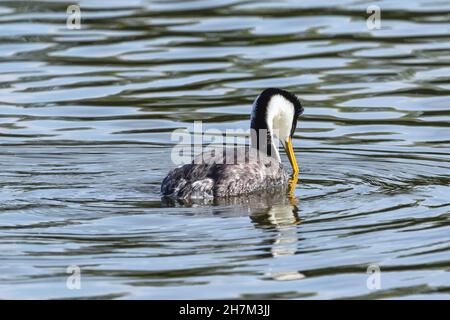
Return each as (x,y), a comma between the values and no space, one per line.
(291,155)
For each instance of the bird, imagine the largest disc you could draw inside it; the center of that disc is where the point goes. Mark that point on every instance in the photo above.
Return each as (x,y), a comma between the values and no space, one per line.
(212,175)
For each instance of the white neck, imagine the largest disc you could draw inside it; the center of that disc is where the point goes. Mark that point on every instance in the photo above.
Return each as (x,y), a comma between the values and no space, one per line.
(280,113)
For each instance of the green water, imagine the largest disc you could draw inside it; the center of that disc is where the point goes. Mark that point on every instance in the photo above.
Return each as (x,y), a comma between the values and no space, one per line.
(85,139)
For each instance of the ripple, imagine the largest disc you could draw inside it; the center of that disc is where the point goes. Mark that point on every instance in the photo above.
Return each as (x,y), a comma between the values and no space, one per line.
(85,123)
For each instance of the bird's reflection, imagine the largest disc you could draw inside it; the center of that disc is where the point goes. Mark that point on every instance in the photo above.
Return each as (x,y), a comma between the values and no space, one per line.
(281,214)
(274,211)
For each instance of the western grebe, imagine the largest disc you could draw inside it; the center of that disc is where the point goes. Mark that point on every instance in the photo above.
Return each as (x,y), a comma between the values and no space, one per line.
(274,115)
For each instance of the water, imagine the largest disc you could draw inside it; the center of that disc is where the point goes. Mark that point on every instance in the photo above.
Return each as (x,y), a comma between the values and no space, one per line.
(85,123)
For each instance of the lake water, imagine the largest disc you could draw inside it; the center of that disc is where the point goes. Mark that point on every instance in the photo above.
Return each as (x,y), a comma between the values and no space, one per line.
(85,140)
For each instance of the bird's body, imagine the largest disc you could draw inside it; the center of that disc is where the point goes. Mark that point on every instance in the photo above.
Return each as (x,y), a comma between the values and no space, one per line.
(243,170)
(214,176)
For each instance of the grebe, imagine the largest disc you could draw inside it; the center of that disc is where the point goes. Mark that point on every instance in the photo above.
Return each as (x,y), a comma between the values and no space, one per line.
(274,115)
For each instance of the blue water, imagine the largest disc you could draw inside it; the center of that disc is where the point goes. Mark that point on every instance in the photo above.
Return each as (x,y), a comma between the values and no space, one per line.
(85,123)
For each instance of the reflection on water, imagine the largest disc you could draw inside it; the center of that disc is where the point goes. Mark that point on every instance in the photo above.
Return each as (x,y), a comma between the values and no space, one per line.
(85,123)
(282,217)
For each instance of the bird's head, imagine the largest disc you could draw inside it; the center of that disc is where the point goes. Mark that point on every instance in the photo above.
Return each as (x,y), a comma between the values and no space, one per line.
(274,115)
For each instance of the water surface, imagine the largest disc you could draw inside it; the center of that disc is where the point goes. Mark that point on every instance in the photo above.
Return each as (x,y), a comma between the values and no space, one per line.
(85,123)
